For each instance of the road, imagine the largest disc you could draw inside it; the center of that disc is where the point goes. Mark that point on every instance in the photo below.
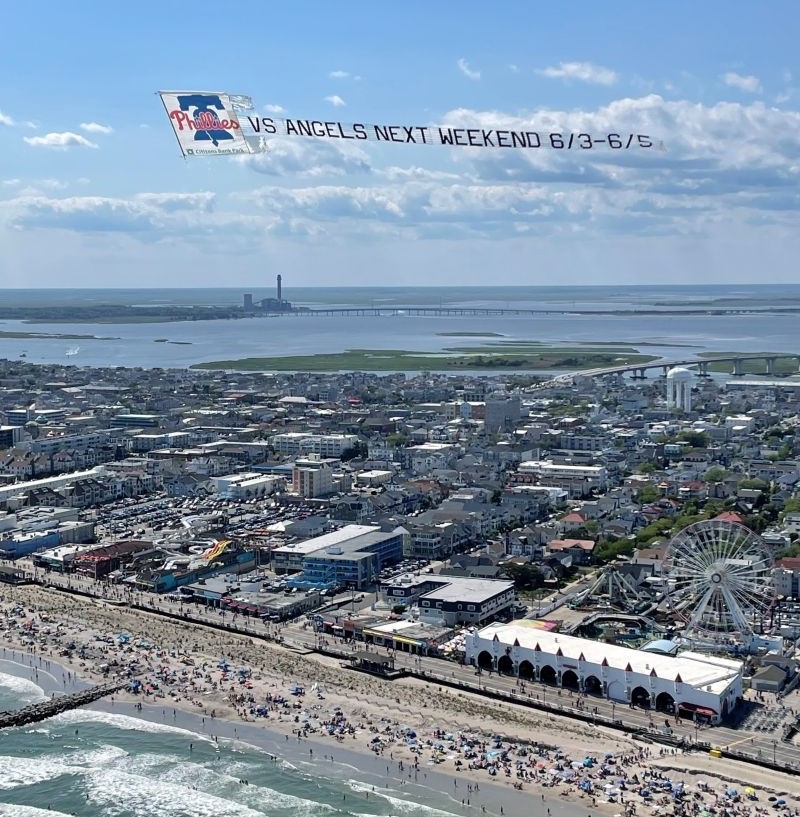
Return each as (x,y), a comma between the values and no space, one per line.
(299,634)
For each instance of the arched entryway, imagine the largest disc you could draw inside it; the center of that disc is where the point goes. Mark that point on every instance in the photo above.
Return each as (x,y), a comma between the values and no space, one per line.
(547,675)
(592,685)
(665,703)
(640,697)
(525,669)
(485,660)
(505,665)
(569,679)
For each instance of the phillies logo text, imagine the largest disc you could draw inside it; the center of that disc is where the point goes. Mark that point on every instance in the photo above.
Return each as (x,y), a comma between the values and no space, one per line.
(199,113)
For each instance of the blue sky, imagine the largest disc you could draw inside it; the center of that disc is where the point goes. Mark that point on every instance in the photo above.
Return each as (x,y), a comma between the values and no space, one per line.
(93,191)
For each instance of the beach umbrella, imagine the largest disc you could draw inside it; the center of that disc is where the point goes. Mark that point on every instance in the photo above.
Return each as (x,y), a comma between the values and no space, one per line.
(731,792)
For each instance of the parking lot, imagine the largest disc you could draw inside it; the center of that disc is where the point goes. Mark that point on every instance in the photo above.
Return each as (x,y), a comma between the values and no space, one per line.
(160,516)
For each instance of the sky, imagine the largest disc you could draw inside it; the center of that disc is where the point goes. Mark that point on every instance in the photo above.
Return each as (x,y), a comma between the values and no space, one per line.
(94,191)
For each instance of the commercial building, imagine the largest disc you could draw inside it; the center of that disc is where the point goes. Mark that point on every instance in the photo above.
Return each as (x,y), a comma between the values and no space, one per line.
(312,477)
(138,420)
(577,480)
(293,443)
(451,600)
(690,684)
(353,564)
(100,561)
(289,558)
(249,485)
(434,541)
(349,557)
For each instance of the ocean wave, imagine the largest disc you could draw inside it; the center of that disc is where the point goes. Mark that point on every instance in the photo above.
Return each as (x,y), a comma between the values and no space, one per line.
(15,810)
(120,792)
(26,771)
(119,721)
(26,690)
(404,806)
(172,776)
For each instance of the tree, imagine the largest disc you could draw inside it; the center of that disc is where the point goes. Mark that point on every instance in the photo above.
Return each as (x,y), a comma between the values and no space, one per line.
(715,474)
(396,440)
(648,493)
(359,450)
(525,576)
(754,484)
(697,439)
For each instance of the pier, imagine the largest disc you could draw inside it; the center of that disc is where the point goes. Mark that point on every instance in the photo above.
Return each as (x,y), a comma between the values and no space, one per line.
(62,703)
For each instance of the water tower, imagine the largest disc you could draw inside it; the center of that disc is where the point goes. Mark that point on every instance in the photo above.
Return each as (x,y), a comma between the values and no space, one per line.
(679,388)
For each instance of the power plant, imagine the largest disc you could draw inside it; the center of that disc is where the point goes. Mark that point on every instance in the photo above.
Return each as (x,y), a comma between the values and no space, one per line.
(267,304)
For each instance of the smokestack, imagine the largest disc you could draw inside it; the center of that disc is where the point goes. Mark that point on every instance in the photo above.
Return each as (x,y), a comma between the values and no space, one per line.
(279,289)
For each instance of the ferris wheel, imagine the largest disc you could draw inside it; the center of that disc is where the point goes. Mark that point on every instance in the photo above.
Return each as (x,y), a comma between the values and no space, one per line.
(719,579)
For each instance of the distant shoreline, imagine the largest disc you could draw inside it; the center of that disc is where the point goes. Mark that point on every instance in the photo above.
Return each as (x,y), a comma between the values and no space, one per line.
(499,358)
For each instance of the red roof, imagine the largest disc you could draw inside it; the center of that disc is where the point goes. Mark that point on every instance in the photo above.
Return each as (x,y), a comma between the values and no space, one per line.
(730,516)
(573,517)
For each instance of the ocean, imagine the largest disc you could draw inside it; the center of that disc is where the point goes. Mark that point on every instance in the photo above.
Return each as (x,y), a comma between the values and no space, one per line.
(97,762)
(181,344)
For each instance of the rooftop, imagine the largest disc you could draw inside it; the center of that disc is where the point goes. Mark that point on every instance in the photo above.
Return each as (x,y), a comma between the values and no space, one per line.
(461,588)
(337,537)
(710,672)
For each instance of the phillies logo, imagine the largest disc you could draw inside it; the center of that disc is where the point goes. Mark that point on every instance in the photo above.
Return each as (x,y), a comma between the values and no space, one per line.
(199,113)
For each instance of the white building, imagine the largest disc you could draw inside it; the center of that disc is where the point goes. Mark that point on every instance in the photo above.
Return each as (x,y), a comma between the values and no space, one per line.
(429,456)
(246,486)
(578,480)
(693,684)
(324,445)
(312,477)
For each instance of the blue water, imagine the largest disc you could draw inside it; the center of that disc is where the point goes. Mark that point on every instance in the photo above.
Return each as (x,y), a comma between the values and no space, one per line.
(107,764)
(196,342)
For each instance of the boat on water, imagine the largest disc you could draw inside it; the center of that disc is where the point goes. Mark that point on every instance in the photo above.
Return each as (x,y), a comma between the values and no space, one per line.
(72,351)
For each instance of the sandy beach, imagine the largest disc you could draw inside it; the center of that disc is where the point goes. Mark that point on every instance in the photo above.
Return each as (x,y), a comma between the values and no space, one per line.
(493,756)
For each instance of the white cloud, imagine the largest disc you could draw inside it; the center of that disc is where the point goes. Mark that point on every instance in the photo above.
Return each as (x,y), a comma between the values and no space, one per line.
(174,202)
(468,72)
(95,127)
(59,141)
(307,159)
(335,100)
(513,68)
(273,109)
(344,75)
(732,171)
(147,215)
(6,120)
(749,84)
(581,71)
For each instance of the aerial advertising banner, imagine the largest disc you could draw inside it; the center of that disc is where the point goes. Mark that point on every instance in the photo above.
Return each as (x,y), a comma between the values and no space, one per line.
(210,123)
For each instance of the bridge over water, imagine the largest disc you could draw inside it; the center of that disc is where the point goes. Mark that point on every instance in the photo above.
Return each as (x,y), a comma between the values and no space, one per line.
(639,370)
